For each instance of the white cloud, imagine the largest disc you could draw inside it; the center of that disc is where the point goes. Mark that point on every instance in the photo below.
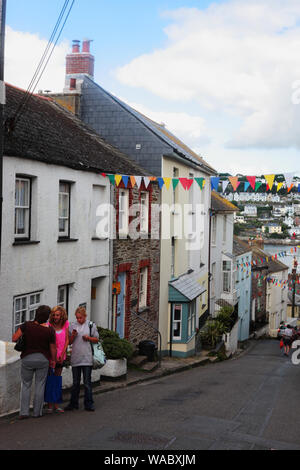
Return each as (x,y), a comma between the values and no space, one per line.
(241,58)
(190,129)
(23,52)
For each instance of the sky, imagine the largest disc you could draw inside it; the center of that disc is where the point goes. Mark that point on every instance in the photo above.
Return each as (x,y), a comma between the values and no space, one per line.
(224,76)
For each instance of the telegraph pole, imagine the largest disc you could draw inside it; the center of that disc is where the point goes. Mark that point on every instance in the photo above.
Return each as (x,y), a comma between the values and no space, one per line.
(2,103)
(294,281)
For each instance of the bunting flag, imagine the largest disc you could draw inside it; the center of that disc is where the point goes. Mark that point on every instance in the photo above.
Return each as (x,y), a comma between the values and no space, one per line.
(224,185)
(289,178)
(183,182)
(200,182)
(247,185)
(270,180)
(138,180)
(146,181)
(234,180)
(189,183)
(125,180)
(175,182)
(290,188)
(118,179)
(252,181)
(160,182)
(167,182)
(132,181)
(258,184)
(279,186)
(215,183)
(112,179)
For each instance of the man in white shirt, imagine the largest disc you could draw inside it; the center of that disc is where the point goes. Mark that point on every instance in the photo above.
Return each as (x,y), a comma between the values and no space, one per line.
(287,339)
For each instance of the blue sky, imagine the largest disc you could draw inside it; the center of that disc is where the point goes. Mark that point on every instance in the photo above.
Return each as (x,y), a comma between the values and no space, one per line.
(219,74)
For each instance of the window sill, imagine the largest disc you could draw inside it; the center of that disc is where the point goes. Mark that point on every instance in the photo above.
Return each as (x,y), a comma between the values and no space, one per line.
(67,240)
(99,239)
(25,242)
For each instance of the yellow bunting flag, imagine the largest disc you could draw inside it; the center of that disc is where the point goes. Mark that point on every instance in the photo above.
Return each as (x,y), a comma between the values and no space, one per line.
(167,182)
(270,180)
(279,186)
(118,179)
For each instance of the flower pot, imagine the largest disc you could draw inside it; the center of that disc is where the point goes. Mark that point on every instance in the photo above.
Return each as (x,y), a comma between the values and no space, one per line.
(114,369)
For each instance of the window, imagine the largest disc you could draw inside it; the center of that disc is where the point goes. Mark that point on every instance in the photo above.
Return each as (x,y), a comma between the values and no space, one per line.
(144,214)
(22,208)
(227,276)
(177,322)
(123,212)
(213,279)
(64,209)
(192,319)
(25,307)
(143,287)
(63,296)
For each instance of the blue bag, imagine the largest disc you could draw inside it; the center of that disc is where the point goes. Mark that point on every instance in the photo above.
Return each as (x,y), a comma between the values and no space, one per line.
(53,389)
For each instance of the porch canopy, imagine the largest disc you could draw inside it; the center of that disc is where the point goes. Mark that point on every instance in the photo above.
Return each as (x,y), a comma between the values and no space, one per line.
(185,288)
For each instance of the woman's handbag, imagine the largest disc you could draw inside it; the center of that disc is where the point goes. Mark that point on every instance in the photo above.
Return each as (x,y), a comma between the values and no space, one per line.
(99,359)
(21,343)
(53,389)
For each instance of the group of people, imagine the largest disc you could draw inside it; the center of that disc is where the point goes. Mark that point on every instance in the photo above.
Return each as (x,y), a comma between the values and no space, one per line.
(46,342)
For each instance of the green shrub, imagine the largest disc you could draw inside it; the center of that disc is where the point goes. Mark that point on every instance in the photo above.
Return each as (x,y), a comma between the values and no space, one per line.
(113,346)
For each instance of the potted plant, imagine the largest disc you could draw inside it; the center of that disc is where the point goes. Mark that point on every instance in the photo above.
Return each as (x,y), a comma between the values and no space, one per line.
(117,352)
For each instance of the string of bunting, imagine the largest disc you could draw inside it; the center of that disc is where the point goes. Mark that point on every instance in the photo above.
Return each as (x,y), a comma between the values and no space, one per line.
(231,183)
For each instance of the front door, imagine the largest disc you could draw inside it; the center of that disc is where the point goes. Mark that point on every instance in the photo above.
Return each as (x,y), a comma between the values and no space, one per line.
(120,320)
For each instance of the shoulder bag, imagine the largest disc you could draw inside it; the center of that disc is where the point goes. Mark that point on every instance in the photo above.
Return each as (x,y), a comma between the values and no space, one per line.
(21,343)
(99,359)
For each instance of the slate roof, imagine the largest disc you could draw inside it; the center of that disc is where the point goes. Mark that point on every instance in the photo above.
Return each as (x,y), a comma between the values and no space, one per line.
(175,144)
(188,286)
(220,204)
(49,133)
(270,266)
(240,247)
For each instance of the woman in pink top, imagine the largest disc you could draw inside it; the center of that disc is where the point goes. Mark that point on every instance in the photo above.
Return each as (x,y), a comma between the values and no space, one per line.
(59,321)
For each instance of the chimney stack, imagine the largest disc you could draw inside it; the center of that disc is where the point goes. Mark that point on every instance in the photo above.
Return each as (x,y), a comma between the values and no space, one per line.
(79,63)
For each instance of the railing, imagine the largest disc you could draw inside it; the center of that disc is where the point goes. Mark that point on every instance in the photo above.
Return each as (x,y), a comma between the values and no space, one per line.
(155,329)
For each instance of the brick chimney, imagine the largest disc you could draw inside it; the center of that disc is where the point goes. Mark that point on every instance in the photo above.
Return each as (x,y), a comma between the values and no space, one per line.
(79,63)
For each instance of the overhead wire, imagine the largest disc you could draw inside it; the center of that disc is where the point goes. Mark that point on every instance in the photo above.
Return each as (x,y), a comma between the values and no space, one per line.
(42,64)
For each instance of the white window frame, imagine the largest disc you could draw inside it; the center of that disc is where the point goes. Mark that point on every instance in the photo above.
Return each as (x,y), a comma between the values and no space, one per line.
(25,208)
(176,322)
(65,291)
(124,212)
(144,212)
(227,277)
(192,319)
(63,194)
(29,304)
(143,291)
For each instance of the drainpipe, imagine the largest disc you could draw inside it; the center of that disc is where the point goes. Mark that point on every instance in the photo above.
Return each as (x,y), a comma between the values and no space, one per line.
(2,102)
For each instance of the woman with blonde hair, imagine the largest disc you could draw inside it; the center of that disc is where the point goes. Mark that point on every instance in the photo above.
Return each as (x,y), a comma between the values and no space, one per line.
(59,321)
(81,337)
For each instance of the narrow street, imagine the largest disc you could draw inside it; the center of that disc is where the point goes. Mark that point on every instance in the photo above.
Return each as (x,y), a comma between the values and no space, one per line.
(245,403)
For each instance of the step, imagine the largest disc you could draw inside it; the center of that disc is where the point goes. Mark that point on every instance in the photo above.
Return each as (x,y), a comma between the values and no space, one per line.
(138,361)
(150,366)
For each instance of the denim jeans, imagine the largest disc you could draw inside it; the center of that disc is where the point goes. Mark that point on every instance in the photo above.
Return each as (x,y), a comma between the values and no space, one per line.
(87,381)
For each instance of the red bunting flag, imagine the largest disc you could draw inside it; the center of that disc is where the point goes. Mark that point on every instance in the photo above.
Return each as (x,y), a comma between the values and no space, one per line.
(252,181)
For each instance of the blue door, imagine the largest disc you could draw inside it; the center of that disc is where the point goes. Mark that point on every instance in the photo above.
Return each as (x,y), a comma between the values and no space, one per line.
(121,306)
